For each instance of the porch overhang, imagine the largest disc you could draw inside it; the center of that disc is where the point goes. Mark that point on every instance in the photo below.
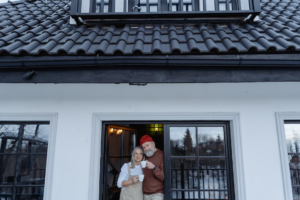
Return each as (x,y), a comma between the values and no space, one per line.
(141,70)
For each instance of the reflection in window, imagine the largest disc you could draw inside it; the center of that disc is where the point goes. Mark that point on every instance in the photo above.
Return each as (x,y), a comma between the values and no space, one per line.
(211,141)
(23,155)
(183,141)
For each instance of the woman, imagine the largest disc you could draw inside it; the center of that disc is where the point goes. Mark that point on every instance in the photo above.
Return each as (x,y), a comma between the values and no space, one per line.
(128,179)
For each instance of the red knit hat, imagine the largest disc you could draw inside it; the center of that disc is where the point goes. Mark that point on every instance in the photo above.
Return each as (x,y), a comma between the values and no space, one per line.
(145,138)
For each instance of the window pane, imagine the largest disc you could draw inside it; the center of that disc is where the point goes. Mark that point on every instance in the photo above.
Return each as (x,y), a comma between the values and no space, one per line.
(11,128)
(8,144)
(128,142)
(29,193)
(8,138)
(211,141)
(35,139)
(119,6)
(184,173)
(6,193)
(114,142)
(7,169)
(36,132)
(292,135)
(213,176)
(183,141)
(31,169)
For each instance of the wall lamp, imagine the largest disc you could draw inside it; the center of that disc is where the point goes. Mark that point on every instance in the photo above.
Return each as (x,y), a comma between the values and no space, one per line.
(29,75)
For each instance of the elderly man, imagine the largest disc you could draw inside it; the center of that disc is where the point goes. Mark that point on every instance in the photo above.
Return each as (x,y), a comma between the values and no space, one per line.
(153,185)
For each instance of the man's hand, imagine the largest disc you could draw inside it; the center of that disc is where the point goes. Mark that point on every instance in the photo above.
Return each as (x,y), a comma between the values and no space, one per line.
(149,165)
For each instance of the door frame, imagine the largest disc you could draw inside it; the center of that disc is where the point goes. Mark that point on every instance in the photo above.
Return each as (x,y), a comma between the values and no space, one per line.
(98,142)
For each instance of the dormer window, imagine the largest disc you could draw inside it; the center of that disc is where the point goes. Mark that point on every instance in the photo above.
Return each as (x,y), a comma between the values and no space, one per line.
(122,10)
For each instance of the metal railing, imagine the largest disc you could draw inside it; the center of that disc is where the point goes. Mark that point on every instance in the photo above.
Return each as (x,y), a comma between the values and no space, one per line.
(210,183)
(36,194)
(162,9)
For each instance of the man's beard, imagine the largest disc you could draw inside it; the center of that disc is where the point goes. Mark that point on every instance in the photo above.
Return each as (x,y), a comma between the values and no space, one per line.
(150,152)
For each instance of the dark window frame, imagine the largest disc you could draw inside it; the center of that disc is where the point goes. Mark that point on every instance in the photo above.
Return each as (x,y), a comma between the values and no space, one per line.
(167,184)
(18,153)
(164,10)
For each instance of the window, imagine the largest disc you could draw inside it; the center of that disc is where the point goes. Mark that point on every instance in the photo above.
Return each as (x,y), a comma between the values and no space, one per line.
(292,135)
(93,10)
(23,155)
(170,5)
(199,162)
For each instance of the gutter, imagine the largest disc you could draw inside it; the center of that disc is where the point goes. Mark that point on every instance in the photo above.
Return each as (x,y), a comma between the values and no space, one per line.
(51,62)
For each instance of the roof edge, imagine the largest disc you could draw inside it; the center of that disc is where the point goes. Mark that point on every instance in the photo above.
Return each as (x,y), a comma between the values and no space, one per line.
(261,60)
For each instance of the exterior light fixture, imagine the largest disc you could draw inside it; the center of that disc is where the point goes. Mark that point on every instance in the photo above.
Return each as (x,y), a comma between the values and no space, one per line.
(29,75)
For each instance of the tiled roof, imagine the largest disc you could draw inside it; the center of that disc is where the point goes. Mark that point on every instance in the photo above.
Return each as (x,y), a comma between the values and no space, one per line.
(42,28)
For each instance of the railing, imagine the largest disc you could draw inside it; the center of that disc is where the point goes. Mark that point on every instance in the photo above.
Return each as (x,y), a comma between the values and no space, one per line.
(210,183)
(36,194)
(162,9)
(295,179)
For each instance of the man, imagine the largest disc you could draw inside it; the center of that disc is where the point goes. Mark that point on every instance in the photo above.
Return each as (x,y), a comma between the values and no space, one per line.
(153,184)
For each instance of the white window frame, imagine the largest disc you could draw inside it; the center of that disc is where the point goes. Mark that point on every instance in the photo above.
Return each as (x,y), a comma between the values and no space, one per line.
(280,118)
(235,133)
(52,118)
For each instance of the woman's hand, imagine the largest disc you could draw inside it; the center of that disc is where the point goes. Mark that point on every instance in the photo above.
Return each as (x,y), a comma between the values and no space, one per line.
(132,181)
(135,179)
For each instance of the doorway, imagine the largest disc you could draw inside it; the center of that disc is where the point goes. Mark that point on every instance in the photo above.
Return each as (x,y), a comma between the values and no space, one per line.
(197,157)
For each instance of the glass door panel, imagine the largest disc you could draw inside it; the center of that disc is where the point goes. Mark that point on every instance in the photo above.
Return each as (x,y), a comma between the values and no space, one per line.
(198,161)
(121,142)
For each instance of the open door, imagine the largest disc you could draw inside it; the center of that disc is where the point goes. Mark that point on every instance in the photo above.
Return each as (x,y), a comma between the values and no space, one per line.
(120,143)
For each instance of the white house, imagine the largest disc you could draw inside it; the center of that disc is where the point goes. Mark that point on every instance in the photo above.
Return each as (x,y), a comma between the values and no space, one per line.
(76,96)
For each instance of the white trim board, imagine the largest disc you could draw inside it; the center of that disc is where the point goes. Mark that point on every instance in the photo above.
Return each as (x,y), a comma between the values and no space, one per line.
(235,132)
(280,118)
(52,118)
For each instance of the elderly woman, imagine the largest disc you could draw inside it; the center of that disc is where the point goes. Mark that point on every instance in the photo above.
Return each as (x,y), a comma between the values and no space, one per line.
(128,178)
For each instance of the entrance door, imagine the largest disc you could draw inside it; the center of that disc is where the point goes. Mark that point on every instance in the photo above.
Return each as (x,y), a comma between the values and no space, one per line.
(120,142)
(198,162)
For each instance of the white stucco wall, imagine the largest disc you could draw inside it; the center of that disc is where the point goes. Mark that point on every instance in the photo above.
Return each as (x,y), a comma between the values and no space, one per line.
(75,104)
